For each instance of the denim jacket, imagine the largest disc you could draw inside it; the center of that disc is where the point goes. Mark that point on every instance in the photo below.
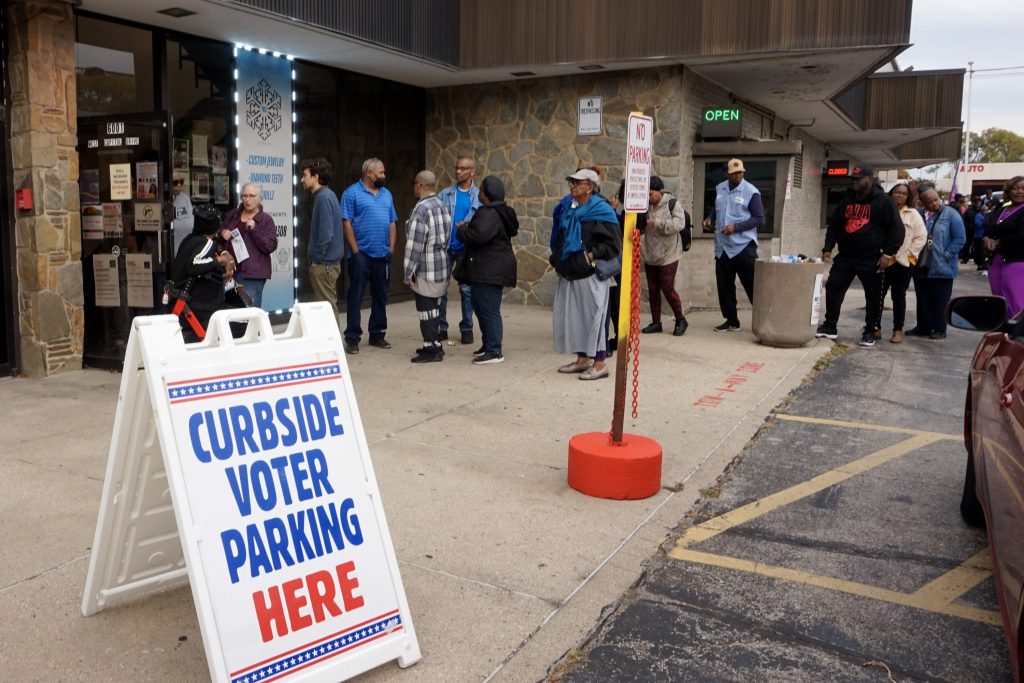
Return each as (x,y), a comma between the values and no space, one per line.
(447,197)
(946,230)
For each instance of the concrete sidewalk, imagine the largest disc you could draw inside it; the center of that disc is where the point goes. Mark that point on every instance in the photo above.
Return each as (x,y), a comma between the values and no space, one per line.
(506,568)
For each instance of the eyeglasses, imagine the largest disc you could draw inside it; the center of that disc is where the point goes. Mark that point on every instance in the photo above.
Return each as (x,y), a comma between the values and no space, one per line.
(177,182)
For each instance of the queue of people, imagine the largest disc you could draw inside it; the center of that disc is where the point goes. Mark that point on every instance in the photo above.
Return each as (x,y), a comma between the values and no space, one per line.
(465,233)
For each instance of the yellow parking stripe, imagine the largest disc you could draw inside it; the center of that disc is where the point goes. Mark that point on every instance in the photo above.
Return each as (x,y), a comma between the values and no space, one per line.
(936,596)
(956,582)
(864,425)
(741,515)
(863,590)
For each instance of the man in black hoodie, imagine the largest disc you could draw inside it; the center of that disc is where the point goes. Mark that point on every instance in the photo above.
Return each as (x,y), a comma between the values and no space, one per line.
(868,230)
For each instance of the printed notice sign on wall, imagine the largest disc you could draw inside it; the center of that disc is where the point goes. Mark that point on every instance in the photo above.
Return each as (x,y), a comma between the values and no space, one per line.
(589,119)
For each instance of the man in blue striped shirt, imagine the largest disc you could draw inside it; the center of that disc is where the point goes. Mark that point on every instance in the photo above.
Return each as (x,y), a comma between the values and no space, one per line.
(368,217)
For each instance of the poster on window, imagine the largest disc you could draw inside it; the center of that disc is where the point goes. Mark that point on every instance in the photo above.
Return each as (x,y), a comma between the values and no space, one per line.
(92,222)
(219,159)
(180,154)
(113,223)
(148,217)
(200,156)
(89,186)
(146,180)
(264,115)
(120,182)
(200,187)
(221,189)
(139,276)
(105,277)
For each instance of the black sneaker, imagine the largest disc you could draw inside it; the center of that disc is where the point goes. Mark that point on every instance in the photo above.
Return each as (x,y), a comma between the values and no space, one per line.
(478,352)
(443,336)
(727,327)
(653,327)
(488,359)
(351,348)
(827,331)
(680,328)
(867,339)
(467,337)
(380,343)
(432,355)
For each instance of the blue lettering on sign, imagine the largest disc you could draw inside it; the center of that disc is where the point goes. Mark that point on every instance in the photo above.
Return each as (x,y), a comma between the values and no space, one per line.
(244,429)
(309,533)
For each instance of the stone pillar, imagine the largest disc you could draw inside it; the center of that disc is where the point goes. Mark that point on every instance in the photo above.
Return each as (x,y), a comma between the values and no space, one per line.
(48,238)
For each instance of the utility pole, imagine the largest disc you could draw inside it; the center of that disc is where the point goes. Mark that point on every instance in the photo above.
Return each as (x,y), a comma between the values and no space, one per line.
(967,137)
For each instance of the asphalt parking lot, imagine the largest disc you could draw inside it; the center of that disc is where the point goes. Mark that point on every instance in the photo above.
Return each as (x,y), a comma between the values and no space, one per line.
(832,549)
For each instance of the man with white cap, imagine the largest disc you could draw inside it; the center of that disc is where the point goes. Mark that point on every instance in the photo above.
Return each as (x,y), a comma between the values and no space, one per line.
(735,218)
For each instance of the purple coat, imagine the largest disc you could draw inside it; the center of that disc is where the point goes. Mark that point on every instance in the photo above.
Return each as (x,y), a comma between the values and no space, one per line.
(260,242)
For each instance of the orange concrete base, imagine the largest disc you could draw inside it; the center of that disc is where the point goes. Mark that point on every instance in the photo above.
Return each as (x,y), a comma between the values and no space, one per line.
(625,471)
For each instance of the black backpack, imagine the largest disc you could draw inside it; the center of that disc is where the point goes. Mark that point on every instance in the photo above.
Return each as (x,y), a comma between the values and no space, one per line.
(687,233)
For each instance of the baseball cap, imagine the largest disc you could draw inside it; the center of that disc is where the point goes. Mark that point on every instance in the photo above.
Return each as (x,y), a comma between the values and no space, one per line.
(585,174)
(862,171)
(735,166)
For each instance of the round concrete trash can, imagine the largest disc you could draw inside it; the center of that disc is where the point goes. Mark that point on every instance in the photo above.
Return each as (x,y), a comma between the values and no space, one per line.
(784,300)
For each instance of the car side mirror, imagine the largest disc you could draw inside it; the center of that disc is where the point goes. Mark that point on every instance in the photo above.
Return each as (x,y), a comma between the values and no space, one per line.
(977,313)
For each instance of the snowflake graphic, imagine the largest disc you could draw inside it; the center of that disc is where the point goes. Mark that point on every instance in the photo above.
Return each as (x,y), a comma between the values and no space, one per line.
(263,109)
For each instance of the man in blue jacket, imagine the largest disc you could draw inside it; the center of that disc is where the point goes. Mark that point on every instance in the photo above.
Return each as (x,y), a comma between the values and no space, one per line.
(737,215)
(462,200)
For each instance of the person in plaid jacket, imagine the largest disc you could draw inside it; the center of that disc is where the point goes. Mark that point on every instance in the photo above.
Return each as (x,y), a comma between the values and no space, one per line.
(427,233)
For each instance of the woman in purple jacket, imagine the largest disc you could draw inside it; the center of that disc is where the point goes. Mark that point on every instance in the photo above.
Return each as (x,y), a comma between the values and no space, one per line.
(258,233)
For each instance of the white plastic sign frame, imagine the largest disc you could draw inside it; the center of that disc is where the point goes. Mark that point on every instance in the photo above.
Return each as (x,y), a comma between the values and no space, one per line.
(639,139)
(241,465)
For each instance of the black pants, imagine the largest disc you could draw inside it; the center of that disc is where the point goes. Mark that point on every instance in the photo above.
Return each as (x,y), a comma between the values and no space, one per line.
(839,280)
(980,259)
(613,313)
(897,280)
(726,270)
(932,296)
(428,308)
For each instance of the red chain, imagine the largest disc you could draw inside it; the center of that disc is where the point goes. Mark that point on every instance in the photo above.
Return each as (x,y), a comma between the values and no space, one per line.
(633,344)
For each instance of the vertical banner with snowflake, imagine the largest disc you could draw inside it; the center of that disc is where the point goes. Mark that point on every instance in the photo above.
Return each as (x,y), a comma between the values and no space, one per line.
(263,96)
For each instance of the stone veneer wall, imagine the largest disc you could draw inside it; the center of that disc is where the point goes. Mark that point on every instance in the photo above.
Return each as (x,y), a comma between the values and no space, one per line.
(48,239)
(524,132)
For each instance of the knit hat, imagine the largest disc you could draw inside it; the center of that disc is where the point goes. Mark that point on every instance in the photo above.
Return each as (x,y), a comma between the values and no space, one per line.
(206,220)
(493,188)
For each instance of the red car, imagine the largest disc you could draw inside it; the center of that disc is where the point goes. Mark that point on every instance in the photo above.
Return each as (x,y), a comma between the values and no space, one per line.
(994,437)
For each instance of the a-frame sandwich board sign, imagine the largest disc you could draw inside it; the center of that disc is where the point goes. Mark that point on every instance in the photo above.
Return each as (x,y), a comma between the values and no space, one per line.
(241,466)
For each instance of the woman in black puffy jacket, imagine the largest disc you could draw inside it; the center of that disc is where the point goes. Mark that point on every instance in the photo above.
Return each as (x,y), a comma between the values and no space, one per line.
(489,264)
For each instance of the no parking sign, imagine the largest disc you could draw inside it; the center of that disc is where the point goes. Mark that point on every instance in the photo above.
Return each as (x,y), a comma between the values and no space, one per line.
(261,467)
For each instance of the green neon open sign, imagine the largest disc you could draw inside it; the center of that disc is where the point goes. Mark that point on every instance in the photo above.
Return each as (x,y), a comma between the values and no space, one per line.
(721,122)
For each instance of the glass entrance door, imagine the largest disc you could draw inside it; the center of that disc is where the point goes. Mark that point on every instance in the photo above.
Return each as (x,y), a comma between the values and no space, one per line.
(125,191)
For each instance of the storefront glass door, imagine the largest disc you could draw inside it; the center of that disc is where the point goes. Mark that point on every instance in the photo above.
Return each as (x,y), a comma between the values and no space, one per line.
(124,165)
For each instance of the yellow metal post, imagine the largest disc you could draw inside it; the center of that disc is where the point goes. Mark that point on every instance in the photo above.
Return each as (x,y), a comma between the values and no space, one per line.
(623,329)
